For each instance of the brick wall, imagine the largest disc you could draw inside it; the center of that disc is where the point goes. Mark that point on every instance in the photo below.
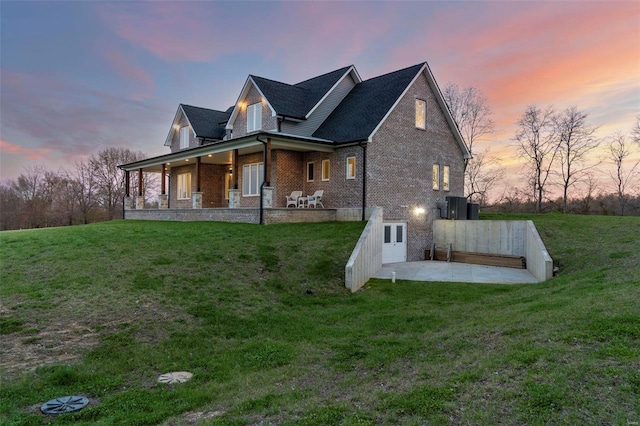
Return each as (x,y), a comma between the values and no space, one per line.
(399,166)
(240,122)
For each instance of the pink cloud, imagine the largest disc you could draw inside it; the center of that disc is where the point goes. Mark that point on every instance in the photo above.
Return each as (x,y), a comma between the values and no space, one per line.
(127,67)
(173,31)
(30,153)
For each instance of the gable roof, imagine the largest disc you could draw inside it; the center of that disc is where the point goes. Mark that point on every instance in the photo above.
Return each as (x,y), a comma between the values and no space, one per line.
(295,100)
(206,123)
(366,106)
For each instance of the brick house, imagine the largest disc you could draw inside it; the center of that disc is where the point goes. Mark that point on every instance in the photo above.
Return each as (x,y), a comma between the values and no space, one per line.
(388,142)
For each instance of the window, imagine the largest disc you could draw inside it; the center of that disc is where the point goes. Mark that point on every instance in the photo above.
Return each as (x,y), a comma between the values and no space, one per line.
(184,137)
(421,114)
(252,175)
(436,176)
(310,172)
(184,186)
(325,170)
(445,178)
(254,117)
(351,167)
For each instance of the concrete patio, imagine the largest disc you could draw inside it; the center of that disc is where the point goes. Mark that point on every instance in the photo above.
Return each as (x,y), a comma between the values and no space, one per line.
(455,272)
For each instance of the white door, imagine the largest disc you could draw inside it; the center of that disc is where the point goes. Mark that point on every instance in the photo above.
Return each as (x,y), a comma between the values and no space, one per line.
(394,244)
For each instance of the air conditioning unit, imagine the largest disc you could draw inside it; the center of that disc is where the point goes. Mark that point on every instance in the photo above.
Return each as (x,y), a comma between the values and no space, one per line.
(457,208)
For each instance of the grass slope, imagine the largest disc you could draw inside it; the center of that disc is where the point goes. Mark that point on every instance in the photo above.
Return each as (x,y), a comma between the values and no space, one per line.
(102,310)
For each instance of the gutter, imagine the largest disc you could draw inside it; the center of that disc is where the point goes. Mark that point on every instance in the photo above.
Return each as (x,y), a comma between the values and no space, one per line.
(364,177)
(264,177)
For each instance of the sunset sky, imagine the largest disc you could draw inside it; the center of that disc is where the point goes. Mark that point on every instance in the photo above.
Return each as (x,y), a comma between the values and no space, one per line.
(78,77)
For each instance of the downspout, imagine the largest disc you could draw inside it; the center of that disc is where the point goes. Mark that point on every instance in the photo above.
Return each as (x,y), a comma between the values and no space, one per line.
(364,177)
(264,178)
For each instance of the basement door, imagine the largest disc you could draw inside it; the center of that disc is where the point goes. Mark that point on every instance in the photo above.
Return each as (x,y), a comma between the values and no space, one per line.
(394,244)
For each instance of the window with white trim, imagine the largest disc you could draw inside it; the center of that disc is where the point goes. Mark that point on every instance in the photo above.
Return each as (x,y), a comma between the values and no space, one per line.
(445,178)
(325,170)
(254,117)
(184,186)
(252,178)
(351,167)
(436,176)
(421,114)
(310,171)
(184,137)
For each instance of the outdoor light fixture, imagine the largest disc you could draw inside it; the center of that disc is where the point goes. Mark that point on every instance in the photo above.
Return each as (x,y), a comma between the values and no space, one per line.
(419,210)
(230,171)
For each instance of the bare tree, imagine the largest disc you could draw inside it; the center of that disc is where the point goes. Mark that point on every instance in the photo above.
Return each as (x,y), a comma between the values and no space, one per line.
(86,190)
(471,112)
(536,141)
(109,179)
(481,176)
(622,177)
(577,139)
(590,187)
(635,132)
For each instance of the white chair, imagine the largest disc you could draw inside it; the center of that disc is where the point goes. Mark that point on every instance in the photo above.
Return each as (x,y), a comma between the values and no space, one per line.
(292,200)
(315,199)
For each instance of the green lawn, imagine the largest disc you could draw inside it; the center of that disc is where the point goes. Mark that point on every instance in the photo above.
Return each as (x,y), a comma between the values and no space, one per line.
(102,310)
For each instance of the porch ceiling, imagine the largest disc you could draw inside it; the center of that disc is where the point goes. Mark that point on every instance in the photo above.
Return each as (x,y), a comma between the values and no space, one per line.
(222,153)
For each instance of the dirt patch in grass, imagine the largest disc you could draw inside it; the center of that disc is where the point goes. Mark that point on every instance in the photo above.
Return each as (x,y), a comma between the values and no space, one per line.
(58,343)
(48,339)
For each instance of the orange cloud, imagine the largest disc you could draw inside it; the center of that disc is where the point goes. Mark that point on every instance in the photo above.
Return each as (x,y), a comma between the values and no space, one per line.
(30,153)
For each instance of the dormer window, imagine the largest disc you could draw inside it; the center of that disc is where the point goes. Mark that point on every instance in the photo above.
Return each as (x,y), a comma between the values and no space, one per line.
(184,137)
(254,117)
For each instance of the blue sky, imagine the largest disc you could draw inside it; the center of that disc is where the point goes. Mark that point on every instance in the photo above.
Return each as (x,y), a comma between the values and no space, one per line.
(77,77)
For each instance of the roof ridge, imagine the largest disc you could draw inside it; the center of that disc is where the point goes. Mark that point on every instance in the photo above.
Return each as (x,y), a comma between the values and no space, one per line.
(396,71)
(325,74)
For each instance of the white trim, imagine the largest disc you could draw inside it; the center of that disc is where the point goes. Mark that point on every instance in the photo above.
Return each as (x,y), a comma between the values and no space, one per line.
(187,183)
(172,130)
(243,94)
(356,79)
(313,175)
(446,176)
(441,102)
(322,178)
(351,176)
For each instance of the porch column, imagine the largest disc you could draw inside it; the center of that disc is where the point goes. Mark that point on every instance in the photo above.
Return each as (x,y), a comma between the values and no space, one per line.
(198,175)
(267,163)
(267,193)
(234,168)
(163,199)
(140,197)
(163,180)
(196,200)
(128,200)
(127,184)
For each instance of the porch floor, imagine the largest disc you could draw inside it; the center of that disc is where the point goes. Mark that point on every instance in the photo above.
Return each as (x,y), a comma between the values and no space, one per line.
(433,270)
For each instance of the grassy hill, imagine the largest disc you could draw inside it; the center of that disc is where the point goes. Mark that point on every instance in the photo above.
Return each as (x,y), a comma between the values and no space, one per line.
(260,316)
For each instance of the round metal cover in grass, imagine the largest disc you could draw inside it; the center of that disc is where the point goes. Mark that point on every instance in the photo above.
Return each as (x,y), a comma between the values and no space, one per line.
(66,404)
(175,377)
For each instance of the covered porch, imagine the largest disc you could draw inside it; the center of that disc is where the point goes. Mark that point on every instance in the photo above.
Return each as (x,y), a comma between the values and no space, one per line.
(233,180)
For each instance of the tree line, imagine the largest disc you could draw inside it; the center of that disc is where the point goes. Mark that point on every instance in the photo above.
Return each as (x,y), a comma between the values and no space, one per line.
(558,149)
(92,191)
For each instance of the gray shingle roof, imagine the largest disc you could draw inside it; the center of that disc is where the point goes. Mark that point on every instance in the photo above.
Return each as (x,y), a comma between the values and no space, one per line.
(206,123)
(297,100)
(365,106)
